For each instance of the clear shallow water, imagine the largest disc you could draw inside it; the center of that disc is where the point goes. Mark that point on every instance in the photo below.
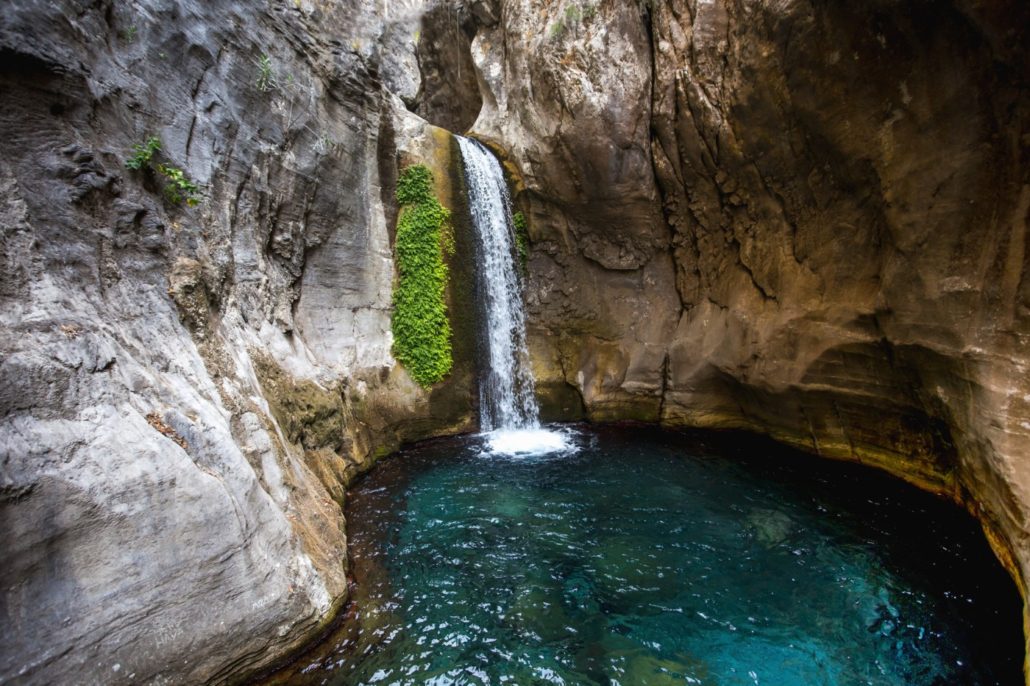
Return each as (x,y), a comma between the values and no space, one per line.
(661,558)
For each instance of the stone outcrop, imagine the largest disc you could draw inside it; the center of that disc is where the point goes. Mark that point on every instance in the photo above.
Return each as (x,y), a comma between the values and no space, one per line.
(842,260)
(567,94)
(185,392)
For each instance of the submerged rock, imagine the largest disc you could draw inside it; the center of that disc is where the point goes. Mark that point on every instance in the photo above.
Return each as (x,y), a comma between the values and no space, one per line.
(769,527)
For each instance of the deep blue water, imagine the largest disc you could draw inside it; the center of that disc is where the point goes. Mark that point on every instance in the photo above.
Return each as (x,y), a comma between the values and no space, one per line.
(662,558)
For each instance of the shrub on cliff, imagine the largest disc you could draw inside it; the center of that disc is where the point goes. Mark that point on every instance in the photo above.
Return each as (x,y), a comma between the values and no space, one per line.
(421,329)
(179,187)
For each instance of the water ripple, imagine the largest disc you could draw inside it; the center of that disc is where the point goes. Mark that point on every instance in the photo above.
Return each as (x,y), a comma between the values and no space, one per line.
(622,559)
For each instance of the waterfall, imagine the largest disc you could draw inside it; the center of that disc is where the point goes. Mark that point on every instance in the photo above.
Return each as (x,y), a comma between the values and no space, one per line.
(506,389)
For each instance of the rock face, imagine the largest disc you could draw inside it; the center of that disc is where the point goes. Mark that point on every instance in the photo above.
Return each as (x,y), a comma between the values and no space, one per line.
(846,196)
(848,190)
(185,392)
(806,219)
(449,97)
(578,135)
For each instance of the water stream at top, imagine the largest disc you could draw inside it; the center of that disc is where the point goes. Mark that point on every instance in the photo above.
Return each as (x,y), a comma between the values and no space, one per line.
(508,410)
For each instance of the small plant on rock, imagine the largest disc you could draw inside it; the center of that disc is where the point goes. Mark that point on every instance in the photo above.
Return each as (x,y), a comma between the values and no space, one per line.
(521,227)
(557,29)
(179,187)
(142,153)
(265,79)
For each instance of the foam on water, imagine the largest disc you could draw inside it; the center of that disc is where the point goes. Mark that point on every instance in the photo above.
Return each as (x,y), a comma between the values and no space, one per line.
(528,442)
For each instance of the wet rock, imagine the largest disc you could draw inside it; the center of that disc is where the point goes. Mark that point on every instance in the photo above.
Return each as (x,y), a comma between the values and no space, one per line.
(577,138)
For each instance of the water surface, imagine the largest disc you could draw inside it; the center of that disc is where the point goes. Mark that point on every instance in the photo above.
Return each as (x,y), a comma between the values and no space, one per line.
(646,557)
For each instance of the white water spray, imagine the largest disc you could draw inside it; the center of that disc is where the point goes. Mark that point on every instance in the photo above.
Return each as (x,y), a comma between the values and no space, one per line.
(508,409)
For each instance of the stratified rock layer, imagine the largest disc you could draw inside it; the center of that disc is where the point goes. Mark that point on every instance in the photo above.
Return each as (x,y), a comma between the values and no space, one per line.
(845,193)
(185,392)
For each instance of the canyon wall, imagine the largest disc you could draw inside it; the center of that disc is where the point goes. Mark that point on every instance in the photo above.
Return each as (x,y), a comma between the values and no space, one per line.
(803,218)
(842,204)
(185,391)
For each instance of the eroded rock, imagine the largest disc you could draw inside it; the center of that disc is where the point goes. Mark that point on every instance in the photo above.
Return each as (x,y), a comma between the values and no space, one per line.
(842,261)
(804,220)
(185,392)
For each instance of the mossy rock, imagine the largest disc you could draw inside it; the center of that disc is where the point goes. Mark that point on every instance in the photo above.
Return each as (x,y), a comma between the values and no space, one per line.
(421,327)
(310,415)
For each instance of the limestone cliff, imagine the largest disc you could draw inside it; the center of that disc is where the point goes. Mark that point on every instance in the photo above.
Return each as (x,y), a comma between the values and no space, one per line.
(185,391)
(803,218)
(838,252)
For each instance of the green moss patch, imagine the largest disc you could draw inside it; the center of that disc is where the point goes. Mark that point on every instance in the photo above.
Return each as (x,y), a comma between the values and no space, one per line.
(421,329)
(521,238)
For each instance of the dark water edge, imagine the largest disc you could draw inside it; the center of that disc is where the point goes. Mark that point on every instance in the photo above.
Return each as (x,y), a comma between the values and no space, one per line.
(877,504)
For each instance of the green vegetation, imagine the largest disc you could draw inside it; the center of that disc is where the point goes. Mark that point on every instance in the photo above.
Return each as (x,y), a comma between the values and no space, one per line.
(421,329)
(179,187)
(129,34)
(265,79)
(574,15)
(521,226)
(142,153)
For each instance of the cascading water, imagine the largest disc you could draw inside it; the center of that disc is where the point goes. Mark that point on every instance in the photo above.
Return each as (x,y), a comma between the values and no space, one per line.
(506,388)
(508,408)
